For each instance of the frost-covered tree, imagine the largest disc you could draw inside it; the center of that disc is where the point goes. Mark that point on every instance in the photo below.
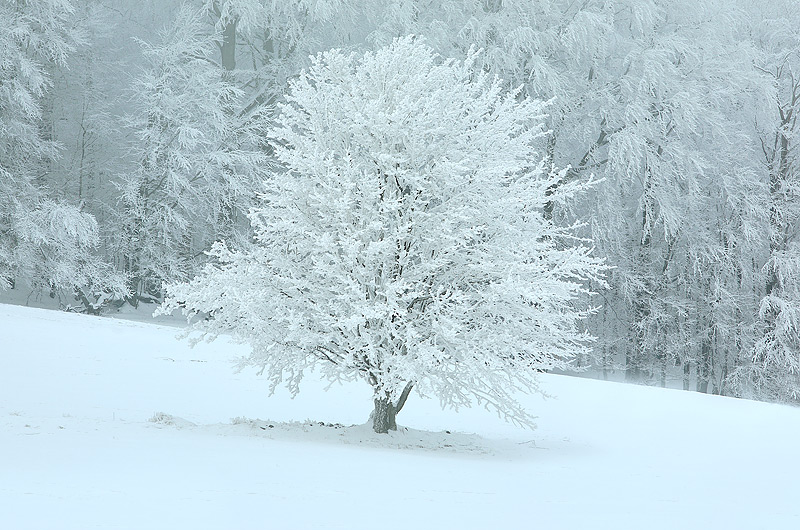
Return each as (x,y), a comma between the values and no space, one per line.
(771,368)
(44,243)
(196,160)
(405,243)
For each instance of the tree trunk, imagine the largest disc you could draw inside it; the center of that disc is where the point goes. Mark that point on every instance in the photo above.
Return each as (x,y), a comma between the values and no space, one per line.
(637,362)
(228,48)
(704,367)
(633,363)
(687,367)
(228,206)
(384,416)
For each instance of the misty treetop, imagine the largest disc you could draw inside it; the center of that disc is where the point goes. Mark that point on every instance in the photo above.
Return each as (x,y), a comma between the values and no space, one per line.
(133,136)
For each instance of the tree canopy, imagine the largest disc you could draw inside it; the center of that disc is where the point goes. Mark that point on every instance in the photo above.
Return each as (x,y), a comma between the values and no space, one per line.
(405,242)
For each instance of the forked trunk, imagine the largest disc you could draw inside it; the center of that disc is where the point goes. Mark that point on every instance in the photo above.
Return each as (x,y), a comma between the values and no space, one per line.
(384,416)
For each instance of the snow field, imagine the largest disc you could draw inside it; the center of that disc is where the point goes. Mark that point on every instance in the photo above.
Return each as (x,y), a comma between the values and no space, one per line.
(109,424)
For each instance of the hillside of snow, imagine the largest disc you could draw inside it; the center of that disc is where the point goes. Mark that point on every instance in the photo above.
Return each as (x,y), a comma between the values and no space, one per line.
(112,424)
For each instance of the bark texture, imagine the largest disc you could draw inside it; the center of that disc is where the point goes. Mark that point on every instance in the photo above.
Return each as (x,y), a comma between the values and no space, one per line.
(384,416)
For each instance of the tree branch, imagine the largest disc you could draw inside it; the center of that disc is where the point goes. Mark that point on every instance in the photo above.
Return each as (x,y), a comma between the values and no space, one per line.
(403,397)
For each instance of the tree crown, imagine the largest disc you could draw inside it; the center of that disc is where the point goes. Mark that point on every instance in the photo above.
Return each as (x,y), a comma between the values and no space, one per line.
(405,240)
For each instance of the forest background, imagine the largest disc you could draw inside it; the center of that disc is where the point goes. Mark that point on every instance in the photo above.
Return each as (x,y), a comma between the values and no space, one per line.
(131,139)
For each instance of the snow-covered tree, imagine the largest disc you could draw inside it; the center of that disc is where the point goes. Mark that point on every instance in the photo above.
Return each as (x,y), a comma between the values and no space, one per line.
(43,243)
(405,242)
(771,368)
(196,160)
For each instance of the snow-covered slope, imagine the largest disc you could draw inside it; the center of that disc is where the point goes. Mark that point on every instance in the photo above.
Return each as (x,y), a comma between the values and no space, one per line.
(109,424)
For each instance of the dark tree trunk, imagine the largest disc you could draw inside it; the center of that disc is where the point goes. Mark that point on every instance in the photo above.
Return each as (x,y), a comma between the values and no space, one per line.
(687,367)
(704,367)
(228,45)
(633,372)
(723,379)
(384,416)
(228,49)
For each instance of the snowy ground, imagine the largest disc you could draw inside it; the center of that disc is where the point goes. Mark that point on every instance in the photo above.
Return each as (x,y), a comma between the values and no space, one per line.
(109,424)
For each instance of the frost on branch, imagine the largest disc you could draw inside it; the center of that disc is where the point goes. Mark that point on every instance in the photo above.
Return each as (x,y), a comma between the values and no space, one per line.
(43,242)
(405,243)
